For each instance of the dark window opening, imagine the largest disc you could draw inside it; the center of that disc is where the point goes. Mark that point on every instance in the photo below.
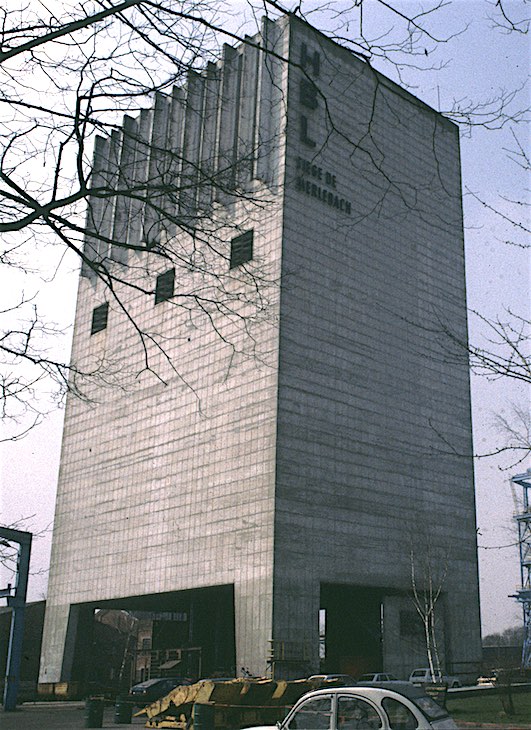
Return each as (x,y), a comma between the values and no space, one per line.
(165,285)
(353,629)
(99,318)
(241,249)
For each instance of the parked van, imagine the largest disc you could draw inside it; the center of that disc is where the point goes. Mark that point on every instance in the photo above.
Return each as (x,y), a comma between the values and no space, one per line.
(420,677)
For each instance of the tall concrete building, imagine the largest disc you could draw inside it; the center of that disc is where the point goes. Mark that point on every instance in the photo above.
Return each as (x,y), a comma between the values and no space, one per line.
(285,456)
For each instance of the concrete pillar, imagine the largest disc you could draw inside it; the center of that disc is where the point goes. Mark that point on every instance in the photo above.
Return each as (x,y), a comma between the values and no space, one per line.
(253,622)
(296,624)
(53,642)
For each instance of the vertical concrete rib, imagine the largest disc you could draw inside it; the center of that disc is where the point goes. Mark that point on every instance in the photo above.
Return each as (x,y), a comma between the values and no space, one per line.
(247,123)
(228,121)
(125,183)
(191,146)
(208,146)
(158,178)
(175,159)
(92,246)
(139,175)
(269,98)
(109,178)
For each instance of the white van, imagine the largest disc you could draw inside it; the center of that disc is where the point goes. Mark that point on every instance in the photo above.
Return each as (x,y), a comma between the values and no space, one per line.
(420,677)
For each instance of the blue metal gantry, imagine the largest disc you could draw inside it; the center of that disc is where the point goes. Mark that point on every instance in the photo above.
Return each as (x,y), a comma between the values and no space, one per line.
(16,600)
(523,595)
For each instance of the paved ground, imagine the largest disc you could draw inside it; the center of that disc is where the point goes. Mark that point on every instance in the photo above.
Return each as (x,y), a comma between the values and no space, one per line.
(57,716)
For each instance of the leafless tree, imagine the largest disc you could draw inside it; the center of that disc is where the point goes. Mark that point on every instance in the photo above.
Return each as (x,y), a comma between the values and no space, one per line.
(429,567)
(70,71)
(69,76)
(513,636)
(506,349)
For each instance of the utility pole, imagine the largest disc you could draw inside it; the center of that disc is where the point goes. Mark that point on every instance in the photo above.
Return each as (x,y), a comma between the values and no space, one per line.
(17,602)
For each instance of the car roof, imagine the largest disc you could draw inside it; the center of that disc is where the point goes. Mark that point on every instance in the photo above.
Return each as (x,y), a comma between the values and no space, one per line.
(376,689)
(147,683)
(323,676)
(154,680)
(217,679)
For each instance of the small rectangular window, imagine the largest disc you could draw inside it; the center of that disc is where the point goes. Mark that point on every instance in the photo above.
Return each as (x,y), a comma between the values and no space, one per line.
(99,318)
(165,286)
(241,249)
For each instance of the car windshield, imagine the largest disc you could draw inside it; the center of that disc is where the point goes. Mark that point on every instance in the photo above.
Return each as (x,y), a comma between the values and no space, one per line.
(366,677)
(418,673)
(429,707)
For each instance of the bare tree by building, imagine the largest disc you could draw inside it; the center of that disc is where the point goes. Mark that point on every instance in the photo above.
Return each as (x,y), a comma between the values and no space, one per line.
(428,573)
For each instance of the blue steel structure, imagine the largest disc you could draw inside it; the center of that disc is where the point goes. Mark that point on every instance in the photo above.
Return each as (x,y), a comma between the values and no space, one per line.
(17,602)
(523,595)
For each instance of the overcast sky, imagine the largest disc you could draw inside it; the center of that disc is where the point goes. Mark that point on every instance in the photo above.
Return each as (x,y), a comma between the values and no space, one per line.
(481,61)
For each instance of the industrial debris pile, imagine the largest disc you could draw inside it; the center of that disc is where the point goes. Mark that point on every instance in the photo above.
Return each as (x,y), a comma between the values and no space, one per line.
(226,705)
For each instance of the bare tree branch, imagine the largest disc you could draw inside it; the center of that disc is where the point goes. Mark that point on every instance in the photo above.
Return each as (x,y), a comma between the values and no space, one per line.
(95,62)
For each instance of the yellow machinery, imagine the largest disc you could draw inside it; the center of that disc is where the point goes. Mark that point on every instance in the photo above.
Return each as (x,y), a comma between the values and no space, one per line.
(232,704)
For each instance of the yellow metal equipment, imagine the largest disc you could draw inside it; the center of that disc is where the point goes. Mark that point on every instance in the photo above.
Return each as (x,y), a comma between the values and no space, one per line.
(237,703)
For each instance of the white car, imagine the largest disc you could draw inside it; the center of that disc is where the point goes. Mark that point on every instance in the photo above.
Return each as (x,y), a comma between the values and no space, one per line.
(372,677)
(344,679)
(423,676)
(366,708)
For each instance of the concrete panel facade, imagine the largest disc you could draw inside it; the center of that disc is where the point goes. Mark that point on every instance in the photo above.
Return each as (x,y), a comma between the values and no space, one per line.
(374,464)
(316,451)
